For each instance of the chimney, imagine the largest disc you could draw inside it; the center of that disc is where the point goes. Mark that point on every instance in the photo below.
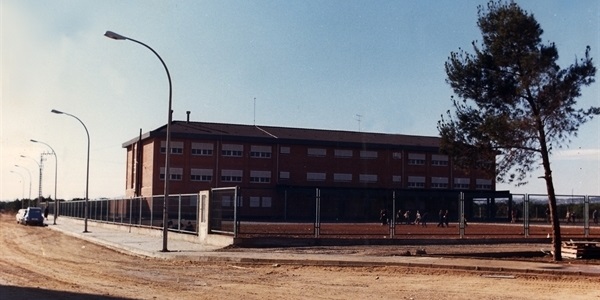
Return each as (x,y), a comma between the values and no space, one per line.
(188,116)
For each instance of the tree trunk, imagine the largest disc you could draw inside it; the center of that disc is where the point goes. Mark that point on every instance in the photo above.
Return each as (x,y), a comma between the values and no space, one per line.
(556,238)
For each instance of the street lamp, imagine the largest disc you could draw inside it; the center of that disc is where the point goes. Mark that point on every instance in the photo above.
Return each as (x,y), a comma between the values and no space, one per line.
(117,36)
(22,186)
(87,175)
(55,179)
(28,172)
(39,178)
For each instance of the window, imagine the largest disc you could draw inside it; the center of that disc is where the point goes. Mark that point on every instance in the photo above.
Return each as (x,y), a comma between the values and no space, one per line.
(260,151)
(204,175)
(367,178)
(397,155)
(254,202)
(483,184)
(416,181)
(368,154)
(312,176)
(439,160)
(461,183)
(284,150)
(205,149)
(416,159)
(260,176)
(231,175)
(174,173)
(439,182)
(226,201)
(266,201)
(232,150)
(319,152)
(284,175)
(176,147)
(342,153)
(260,201)
(342,177)
(396,178)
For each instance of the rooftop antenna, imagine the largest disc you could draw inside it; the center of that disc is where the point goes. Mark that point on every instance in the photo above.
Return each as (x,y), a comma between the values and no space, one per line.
(358,118)
(254,111)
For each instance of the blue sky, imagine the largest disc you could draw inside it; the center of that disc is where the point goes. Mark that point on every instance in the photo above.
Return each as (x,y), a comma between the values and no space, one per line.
(311,64)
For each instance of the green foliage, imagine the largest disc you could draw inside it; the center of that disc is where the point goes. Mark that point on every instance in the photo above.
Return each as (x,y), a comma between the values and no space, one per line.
(11,207)
(514,102)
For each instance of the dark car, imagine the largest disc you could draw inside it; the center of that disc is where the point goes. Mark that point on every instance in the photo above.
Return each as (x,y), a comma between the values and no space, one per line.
(33,216)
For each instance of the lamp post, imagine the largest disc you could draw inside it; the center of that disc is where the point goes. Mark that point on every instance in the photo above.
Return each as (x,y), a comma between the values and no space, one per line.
(39,178)
(22,186)
(87,174)
(117,36)
(28,172)
(55,179)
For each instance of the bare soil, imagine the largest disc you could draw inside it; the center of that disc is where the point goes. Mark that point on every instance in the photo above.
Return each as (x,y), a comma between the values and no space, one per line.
(36,262)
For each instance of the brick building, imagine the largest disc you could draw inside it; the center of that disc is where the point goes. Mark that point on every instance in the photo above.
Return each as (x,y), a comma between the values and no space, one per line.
(278,169)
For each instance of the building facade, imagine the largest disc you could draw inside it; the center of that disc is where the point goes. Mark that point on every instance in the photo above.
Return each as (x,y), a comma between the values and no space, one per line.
(277,169)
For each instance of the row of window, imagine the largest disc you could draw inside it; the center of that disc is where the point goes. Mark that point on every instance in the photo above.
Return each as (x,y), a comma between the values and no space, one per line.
(253,201)
(258,151)
(236,176)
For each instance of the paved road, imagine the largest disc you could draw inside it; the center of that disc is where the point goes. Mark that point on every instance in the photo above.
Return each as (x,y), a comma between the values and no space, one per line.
(151,246)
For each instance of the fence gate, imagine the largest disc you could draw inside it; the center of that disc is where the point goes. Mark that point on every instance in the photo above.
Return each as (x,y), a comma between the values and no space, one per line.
(222,212)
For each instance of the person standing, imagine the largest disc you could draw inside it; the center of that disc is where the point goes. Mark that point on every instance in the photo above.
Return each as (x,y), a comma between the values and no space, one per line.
(441,218)
(383,216)
(424,219)
(407,217)
(399,217)
(595,216)
(446,217)
(417,218)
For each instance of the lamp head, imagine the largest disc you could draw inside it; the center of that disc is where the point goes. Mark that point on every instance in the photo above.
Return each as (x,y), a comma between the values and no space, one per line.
(33,141)
(114,36)
(56,111)
(23,156)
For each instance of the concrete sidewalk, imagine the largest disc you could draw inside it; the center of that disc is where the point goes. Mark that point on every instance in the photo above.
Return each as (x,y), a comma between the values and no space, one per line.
(151,246)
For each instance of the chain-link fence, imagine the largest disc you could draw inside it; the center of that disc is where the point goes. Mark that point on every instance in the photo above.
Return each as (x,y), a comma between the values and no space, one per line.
(314,212)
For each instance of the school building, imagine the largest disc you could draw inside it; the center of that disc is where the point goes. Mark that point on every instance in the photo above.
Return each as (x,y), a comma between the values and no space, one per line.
(278,170)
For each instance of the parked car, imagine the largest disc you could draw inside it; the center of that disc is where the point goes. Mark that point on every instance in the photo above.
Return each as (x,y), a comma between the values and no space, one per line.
(33,216)
(20,215)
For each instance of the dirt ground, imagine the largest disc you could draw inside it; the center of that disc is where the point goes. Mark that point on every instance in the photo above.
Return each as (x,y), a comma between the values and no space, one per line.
(36,262)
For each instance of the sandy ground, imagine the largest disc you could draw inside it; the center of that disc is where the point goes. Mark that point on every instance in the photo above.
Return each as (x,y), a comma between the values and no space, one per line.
(36,262)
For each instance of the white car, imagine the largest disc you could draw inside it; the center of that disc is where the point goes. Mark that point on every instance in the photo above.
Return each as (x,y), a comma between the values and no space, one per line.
(20,215)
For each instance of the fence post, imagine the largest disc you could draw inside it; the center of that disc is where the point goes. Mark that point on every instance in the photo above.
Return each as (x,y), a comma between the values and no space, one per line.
(586,216)
(236,224)
(461,215)
(317,213)
(179,213)
(526,216)
(393,219)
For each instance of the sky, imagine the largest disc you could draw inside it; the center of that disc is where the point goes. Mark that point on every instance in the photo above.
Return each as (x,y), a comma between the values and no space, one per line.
(373,66)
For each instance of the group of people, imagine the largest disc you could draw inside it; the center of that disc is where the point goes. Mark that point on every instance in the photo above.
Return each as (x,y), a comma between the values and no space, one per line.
(419,218)
(571,216)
